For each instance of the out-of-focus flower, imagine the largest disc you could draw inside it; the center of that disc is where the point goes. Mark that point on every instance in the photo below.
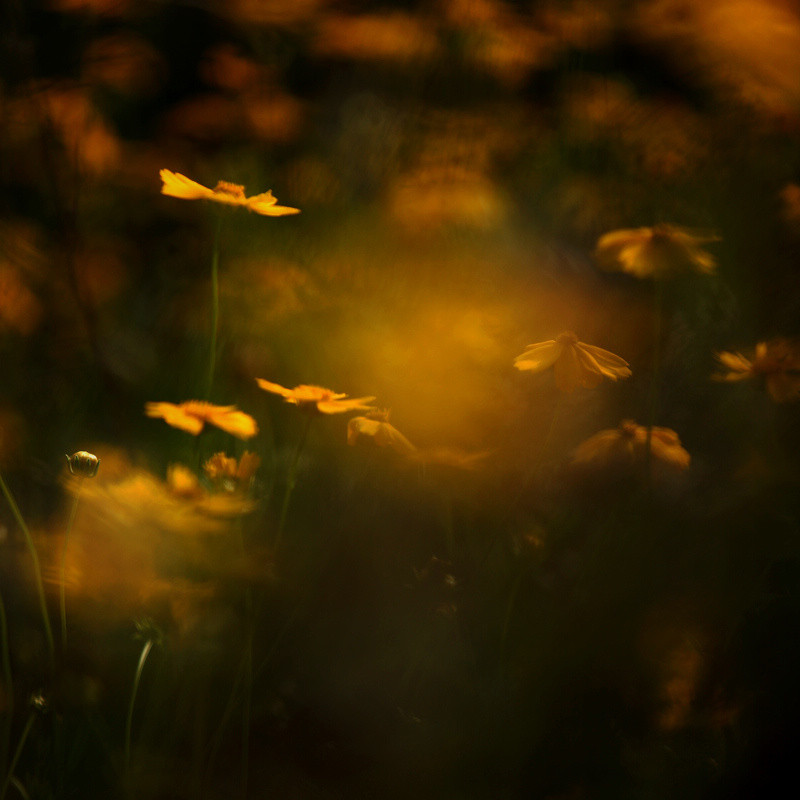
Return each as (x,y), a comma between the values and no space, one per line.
(777,360)
(746,48)
(317,399)
(376,428)
(20,309)
(192,415)
(790,195)
(83,464)
(656,252)
(230,194)
(124,62)
(231,474)
(392,37)
(627,445)
(574,363)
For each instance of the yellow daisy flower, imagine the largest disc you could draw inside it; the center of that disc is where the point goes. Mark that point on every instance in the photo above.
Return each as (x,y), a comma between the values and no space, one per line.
(375,428)
(229,194)
(574,363)
(192,416)
(777,360)
(627,445)
(656,252)
(317,399)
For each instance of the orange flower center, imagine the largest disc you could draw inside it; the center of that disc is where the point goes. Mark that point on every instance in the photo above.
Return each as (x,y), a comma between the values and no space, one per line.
(568,337)
(233,189)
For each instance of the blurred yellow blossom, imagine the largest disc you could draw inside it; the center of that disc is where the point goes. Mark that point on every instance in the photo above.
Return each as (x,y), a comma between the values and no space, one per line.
(229,473)
(192,415)
(231,194)
(376,428)
(777,360)
(574,363)
(626,445)
(316,398)
(656,252)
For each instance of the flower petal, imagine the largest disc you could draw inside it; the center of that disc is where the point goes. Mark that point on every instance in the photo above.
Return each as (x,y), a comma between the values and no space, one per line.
(267,386)
(611,365)
(177,185)
(175,416)
(235,422)
(539,357)
(266,204)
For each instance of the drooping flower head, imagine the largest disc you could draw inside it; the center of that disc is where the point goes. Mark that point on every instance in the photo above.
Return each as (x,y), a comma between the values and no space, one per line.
(657,252)
(574,363)
(375,428)
(229,194)
(626,446)
(317,399)
(192,416)
(777,361)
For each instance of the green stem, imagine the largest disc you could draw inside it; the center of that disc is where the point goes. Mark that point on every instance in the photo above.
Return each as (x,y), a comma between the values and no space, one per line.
(37,568)
(17,754)
(212,359)
(291,481)
(64,563)
(8,688)
(148,646)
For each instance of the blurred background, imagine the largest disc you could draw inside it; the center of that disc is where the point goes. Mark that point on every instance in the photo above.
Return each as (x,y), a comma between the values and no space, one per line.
(480,622)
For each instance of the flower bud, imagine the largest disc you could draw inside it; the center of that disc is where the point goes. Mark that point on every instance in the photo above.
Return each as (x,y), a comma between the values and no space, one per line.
(83,464)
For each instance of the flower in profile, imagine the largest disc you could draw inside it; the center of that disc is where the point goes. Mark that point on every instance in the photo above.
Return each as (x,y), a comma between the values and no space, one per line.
(317,399)
(192,416)
(574,363)
(229,194)
(657,252)
(376,428)
(777,360)
(627,445)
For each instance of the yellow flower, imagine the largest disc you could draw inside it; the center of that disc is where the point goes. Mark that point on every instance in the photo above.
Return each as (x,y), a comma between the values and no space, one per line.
(656,252)
(626,445)
(192,415)
(574,363)
(230,194)
(315,398)
(777,360)
(375,428)
(227,472)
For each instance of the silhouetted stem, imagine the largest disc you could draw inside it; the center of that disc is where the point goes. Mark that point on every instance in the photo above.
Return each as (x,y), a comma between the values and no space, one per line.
(17,754)
(9,689)
(291,481)
(64,563)
(148,646)
(658,290)
(212,358)
(36,567)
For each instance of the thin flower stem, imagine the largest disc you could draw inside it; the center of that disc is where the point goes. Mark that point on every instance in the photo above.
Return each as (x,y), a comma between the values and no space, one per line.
(658,294)
(8,688)
(148,646)
(212,358)
(291,480)
(36,565)
(63,598)
(17,754)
